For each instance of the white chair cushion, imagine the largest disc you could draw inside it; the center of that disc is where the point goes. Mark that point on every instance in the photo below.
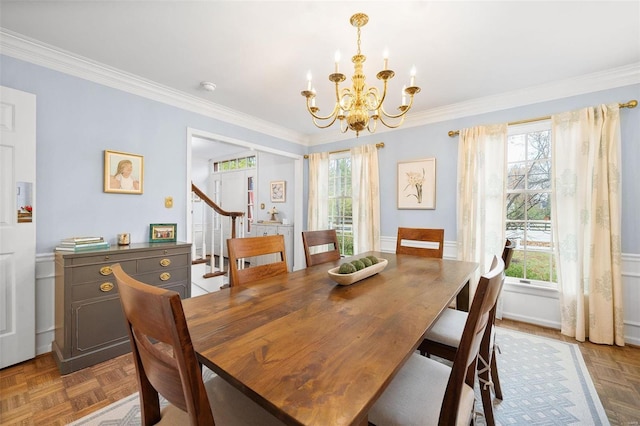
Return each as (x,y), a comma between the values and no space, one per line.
(448,328)
(230,407)
(414,397)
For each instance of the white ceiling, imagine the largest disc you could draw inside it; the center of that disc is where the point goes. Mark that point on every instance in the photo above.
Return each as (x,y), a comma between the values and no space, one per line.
(258,53)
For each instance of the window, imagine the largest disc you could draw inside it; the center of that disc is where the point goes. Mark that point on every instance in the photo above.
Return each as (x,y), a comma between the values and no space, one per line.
(235,164)
(528,202)
(340,200)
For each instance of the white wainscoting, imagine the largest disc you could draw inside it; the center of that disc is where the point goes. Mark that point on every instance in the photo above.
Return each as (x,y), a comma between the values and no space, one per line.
(541,306)
(524,303)
(45,302)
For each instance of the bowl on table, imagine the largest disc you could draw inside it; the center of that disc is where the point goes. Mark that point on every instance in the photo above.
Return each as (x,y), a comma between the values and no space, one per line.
(348,279)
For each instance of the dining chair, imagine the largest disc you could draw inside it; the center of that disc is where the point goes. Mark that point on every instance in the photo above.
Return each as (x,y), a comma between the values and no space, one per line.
(166,364)
(241,248)
(427,392)
(443,339)
(422,235)
(327,239)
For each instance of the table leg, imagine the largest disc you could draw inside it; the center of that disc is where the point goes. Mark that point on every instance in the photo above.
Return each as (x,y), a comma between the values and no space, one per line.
(462,299)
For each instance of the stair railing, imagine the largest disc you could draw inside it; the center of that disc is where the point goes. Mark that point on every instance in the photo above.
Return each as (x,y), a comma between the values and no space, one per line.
(237,230)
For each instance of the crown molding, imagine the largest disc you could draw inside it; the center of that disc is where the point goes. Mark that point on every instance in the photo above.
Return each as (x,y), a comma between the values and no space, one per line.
(33,51)
(20,47)
(604,80)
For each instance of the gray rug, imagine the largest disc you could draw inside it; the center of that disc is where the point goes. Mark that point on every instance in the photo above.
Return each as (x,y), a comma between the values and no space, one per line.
(544,382)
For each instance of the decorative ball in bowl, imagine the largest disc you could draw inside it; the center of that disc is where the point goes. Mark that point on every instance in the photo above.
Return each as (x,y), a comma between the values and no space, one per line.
(357,269)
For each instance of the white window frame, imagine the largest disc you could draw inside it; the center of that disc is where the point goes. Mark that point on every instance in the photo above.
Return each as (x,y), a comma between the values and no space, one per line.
(343,226)
(528,282)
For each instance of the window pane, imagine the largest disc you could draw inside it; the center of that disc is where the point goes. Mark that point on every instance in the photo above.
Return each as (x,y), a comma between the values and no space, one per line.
(516,148)
(515,206)
(537,235)
(515,231)
(516,269)
(539,145)
(539,206)
(538,266)
(516,176)
(539,175)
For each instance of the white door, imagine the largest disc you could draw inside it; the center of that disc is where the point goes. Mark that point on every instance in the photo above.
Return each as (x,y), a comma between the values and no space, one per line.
(17,226)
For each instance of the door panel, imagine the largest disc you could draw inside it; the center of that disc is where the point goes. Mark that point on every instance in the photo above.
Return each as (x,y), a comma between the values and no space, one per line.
(17,226)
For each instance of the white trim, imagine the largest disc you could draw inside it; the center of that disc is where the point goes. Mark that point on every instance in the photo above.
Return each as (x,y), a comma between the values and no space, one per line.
(21,47)
(298,256)
(26,49)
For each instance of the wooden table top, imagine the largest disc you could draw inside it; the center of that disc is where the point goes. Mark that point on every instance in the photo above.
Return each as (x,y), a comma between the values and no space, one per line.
(316,353)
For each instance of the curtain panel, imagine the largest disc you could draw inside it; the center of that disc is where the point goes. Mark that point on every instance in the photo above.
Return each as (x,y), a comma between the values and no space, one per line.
(481,196)
(318,208)
(365,185)
(587,222)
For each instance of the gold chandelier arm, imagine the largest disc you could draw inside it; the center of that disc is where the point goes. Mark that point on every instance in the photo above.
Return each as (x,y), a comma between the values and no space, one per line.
(318,117)
(320,126)
(392,126)
(403,110)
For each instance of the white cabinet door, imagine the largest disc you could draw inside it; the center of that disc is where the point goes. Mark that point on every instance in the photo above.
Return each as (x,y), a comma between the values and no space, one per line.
(17,234)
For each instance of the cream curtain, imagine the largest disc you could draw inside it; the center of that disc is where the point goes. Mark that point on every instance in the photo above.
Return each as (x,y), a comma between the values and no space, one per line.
(481,195)
(318,208)
(587,225)
(366,198)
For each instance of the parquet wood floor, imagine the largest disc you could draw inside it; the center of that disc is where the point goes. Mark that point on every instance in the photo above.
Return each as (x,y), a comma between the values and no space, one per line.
(34,393)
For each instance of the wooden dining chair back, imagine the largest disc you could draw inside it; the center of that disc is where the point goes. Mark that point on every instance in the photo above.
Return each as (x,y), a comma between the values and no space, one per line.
(155,314)
(443,340)
(427,392)
(421,235)
(507,253)
(243,248)
(325,240)
(463,372)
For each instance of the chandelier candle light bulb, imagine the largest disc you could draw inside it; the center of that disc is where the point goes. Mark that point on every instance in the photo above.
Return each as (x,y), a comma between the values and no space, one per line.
(360,107)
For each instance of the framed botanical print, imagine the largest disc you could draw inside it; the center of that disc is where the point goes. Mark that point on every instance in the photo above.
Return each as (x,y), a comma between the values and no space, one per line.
(278,191)
(417,184)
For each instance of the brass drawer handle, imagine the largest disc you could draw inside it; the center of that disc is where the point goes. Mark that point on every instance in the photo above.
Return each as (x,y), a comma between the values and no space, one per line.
(105,270)
(165,262)
(106,287)
(165,276)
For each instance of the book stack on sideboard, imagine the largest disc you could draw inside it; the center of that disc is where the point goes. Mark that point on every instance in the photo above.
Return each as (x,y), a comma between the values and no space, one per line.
(76,244)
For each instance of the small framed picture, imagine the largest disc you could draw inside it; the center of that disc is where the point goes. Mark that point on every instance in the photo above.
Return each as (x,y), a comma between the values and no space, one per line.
(278,191)
(417,184)
(162,232)
(123,172)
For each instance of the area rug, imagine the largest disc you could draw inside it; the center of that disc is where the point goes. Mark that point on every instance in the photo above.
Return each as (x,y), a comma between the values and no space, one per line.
(544,382)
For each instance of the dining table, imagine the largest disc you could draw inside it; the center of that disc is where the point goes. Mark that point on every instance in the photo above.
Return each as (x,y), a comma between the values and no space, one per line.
(314,352)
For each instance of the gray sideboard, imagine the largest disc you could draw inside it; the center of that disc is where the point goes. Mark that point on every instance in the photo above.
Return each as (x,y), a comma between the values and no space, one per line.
(89,323)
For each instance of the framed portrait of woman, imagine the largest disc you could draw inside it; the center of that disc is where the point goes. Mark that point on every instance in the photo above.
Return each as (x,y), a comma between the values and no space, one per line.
(123,172)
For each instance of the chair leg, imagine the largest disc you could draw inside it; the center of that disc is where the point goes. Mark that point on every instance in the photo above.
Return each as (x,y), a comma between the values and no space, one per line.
(485,392)
(484,381)
(494,375)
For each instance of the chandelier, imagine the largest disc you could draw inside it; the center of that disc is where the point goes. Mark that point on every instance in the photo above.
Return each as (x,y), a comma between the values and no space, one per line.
(360,107)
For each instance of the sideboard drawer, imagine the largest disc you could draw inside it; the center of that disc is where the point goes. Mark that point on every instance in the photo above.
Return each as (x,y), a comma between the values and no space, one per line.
(164,277)
(162,263)
(100,271)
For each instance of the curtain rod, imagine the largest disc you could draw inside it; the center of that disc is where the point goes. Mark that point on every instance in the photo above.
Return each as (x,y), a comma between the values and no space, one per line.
(631,104)
(378,145)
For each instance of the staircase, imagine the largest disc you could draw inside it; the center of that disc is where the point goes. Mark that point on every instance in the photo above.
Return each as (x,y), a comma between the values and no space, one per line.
(209,272)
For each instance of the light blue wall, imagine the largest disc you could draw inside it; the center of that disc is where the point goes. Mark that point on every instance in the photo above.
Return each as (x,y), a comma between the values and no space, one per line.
(433,141)
(76,121)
